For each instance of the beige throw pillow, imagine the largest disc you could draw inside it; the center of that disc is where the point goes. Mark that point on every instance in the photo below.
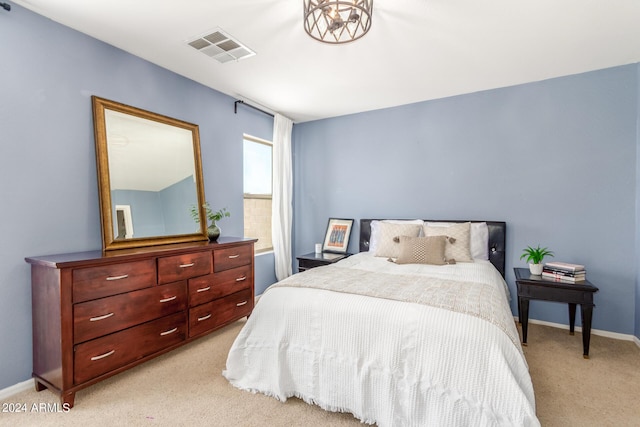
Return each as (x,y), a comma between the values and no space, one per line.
(386,246)
(422,250)
(458,250)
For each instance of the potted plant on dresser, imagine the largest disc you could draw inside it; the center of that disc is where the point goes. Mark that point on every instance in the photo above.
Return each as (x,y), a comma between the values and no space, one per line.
(534,257)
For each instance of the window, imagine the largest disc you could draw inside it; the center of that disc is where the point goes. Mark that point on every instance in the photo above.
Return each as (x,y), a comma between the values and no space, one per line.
(258,177)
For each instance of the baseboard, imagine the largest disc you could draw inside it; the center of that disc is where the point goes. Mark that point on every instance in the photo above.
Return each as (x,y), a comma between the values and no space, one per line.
(637,341)
(15,389)
(607,334)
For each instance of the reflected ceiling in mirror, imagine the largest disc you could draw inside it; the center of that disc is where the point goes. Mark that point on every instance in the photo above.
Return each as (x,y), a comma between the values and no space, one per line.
(149,177)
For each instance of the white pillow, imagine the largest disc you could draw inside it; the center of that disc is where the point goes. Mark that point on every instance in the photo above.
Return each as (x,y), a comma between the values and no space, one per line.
(375,229)
(479,245)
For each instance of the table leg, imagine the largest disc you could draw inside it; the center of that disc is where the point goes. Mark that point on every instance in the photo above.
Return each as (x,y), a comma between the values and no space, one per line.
(519,311)
(572,318)
(524,311)
(586,313)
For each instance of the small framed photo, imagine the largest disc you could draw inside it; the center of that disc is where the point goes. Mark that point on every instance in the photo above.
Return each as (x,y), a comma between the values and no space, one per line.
(336,239)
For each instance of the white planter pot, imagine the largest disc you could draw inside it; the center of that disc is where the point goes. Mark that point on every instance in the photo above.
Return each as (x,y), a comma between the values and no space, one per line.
(535,269)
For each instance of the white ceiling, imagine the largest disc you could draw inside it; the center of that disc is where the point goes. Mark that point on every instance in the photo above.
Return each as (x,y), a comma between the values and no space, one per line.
(416,50)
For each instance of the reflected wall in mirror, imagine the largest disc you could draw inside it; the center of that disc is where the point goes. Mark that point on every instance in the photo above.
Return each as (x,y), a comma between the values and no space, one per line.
(149,177)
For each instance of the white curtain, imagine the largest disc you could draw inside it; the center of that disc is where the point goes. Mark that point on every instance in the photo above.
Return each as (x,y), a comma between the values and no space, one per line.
(281,220)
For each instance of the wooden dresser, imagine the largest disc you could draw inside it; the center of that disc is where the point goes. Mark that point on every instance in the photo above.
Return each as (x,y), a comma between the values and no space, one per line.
(96,314)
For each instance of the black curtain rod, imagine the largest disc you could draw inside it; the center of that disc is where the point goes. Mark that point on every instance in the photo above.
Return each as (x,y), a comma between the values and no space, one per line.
(235,107)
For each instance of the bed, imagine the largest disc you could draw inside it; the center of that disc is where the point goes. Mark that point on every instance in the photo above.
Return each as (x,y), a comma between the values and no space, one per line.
(395,343)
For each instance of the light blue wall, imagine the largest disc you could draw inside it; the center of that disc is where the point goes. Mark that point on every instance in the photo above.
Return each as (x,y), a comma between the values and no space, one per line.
(176,201)
(48,188)
(158,213)
(555,159)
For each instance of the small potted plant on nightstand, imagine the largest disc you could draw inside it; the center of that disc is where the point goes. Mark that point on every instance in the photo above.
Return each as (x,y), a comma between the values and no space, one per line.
(534,257)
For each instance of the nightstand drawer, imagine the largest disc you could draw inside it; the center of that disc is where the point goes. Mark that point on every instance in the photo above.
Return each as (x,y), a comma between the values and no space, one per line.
(313,260)
(305,264)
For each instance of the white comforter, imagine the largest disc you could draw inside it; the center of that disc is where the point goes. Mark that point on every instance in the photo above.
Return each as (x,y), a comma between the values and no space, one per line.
(385,361)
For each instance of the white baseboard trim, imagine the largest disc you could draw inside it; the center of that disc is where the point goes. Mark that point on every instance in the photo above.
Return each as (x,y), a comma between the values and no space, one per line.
(15,389)
(607,334)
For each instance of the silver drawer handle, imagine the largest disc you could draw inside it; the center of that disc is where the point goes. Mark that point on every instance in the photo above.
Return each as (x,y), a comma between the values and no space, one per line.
(169,299)
(124,276)
(233,256)
(200,319)
(95,319)
(102,356)
(168,332)
(241,303)
(203,289)
(191,264)
(240,279)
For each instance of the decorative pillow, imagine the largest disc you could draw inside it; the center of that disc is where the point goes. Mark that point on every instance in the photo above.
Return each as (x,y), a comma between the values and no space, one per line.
(422,250)
(459,250)
(479,244)
(375,230)
(386,246)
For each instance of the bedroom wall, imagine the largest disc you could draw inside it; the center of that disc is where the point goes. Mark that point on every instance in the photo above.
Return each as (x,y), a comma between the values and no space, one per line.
(48,188)
(554,159)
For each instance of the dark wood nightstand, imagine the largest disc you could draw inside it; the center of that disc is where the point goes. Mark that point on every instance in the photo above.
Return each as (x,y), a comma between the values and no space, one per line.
(536,287)
(313,259)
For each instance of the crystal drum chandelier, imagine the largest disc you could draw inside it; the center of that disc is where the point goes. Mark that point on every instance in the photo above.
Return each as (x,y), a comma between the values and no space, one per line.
(337,21)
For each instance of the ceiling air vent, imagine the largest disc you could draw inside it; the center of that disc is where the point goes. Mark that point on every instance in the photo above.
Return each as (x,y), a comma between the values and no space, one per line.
(221,47)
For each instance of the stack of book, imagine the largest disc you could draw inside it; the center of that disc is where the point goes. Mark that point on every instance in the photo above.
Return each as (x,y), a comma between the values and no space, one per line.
(564,272)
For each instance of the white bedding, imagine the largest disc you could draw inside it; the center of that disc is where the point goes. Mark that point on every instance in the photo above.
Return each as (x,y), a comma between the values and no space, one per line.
(388,362)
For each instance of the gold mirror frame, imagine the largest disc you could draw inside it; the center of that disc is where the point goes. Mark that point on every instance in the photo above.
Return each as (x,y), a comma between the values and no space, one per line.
(109,241)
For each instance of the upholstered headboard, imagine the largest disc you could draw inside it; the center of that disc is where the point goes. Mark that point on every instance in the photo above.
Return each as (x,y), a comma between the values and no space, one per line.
(497,239)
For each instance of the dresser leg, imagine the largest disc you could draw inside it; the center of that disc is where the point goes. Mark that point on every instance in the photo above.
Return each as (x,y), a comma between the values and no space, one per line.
(39,386)
(67,400)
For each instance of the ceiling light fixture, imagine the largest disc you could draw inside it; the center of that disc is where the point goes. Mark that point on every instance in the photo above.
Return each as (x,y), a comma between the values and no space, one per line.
(337,21)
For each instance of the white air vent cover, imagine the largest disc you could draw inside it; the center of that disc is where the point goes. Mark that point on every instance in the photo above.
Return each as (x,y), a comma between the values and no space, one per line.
(221,46)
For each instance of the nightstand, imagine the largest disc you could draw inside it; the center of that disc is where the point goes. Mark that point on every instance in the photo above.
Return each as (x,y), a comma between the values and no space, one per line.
(536,287)
(313,259)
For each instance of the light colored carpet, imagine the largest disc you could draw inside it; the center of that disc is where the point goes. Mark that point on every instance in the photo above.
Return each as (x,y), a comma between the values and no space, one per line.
(186,388)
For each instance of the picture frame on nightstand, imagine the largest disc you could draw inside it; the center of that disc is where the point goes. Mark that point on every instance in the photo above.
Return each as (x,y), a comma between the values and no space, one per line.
(336,238)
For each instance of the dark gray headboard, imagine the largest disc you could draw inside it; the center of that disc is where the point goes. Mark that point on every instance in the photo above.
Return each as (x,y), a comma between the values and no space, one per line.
(497,239)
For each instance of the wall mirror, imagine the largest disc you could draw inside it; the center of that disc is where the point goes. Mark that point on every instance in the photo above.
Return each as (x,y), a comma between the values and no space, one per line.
(149,177)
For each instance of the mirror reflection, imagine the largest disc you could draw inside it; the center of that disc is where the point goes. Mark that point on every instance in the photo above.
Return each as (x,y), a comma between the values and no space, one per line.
(149,179)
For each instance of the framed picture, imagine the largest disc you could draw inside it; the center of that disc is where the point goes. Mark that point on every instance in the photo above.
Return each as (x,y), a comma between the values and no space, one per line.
(337,236)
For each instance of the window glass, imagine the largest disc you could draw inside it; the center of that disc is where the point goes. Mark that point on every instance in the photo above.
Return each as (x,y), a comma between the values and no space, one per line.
(258,177)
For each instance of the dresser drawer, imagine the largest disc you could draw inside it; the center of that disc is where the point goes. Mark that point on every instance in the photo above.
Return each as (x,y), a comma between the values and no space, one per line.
(207,288)
(105,354)
(181,267)
(219,312)
(105,280)
(225,259)
(95,318)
